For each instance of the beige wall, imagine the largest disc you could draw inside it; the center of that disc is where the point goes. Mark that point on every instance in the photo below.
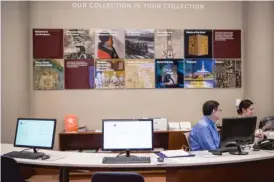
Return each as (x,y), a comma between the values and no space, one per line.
(1,82)
(259,80)
(93,105)
(272,63)
(15,66)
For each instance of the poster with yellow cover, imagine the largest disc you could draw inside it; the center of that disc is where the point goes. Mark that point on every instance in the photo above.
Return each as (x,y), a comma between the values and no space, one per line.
(140,73)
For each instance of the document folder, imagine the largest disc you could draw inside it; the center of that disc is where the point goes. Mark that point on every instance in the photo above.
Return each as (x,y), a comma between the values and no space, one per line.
(174,154)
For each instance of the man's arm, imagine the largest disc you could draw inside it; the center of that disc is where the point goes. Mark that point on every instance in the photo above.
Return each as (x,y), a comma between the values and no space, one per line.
(205,139)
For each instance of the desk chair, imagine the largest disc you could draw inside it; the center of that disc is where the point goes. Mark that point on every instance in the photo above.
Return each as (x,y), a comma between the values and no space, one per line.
(117,177)
(187,139)
(263,122)
(10,170)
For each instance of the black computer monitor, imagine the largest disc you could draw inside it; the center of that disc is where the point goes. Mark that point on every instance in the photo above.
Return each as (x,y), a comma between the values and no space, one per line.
(127,135)
(35,133)
(239,130)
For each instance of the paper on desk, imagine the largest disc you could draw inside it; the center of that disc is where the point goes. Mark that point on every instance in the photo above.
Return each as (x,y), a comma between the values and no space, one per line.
(174,126)
(185,126)
(160,123)
(158,149)
(175,153)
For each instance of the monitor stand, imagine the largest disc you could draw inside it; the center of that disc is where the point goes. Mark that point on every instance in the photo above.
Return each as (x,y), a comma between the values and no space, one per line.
(35,150)
(127,154)
(35,154)
(239,151)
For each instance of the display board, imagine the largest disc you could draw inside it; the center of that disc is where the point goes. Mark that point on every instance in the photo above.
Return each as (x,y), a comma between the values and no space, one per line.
(136,58)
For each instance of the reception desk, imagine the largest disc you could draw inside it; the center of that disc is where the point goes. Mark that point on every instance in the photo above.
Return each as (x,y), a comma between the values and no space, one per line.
(256,166)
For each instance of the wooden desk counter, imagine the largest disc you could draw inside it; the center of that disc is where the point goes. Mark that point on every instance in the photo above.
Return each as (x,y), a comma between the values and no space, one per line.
(170,140)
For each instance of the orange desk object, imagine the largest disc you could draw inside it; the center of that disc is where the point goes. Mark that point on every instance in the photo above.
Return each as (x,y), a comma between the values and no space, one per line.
(71,123)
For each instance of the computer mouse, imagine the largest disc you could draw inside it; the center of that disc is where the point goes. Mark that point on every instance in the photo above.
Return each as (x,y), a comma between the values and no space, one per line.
(159,159)
(45,157)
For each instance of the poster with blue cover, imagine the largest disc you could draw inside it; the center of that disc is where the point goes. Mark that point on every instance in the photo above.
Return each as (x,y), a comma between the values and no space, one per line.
(169,73)
(199,73)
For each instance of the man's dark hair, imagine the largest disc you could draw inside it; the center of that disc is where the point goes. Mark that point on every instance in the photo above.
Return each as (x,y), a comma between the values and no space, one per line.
(244,104)
(209,106)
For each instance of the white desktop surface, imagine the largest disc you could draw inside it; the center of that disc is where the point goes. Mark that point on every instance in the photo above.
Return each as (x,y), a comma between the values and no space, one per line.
(94,160)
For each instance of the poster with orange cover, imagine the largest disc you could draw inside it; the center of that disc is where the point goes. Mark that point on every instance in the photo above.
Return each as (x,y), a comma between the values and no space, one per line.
(71,123)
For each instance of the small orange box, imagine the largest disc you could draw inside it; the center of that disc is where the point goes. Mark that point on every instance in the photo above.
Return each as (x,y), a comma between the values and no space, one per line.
(71,123)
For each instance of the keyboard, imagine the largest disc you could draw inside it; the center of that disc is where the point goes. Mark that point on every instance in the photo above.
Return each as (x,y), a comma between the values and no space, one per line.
(24,155)
(126,160)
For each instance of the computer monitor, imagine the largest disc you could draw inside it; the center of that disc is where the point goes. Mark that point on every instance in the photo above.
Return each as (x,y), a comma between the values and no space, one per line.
(35,133)
(239,130)
(127,135)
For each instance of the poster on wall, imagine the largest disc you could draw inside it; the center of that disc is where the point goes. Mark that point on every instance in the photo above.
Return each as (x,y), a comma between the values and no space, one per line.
(109,74)
(227,75)
(198,44)
(169,73)
(169,43)
(47,43)
(199,73)
(79,74)
(109,43)
(198,84)
(238,67)
(48,74)
(139,43)
(83,58)
(140,73)
(228,40)
(78,44)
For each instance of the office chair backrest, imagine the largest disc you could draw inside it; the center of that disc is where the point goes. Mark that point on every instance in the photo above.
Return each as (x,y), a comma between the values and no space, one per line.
(117,177)
(186,134)
(266,120)
(10,170)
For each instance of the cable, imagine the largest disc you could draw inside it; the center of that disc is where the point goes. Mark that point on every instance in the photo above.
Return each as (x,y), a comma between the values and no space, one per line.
(24,150)
(120,154)
(28,149)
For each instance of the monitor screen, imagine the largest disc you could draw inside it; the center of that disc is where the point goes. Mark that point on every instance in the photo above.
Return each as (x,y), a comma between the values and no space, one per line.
(128,134)
(238,130)
(35,133)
